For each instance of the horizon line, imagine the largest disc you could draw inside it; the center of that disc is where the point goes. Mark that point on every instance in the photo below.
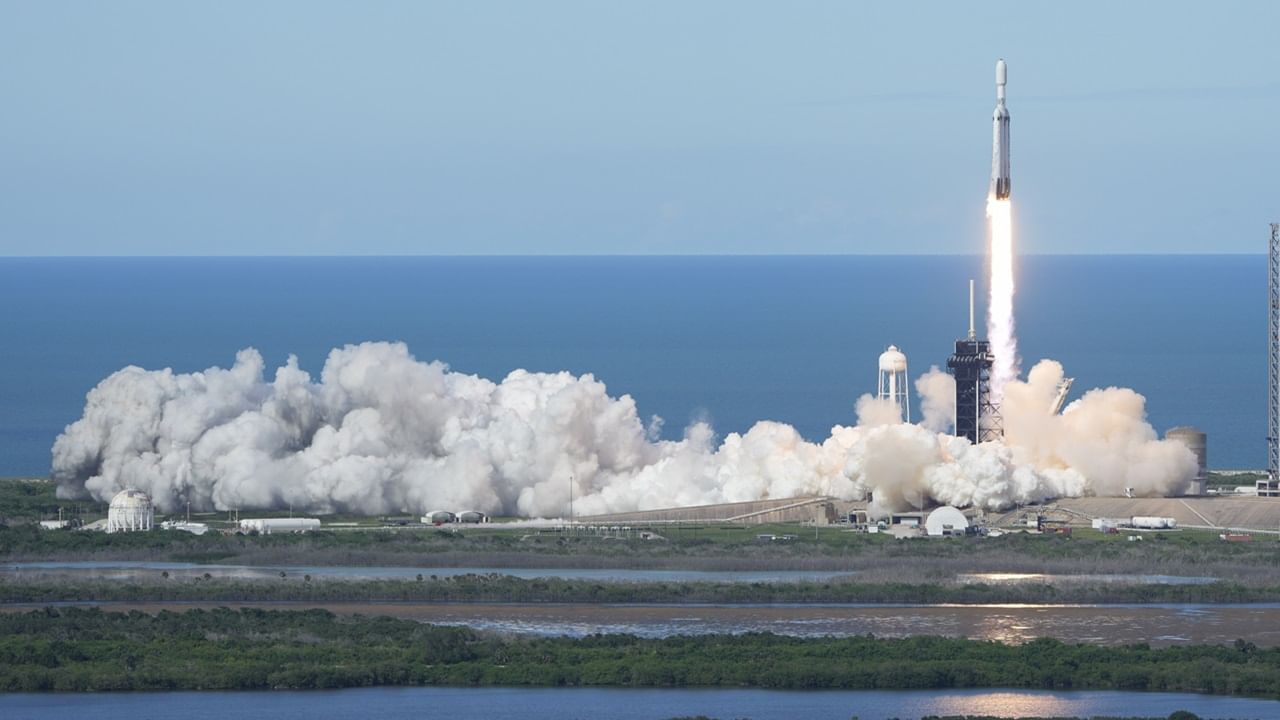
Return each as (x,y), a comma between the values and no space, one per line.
(1260,253)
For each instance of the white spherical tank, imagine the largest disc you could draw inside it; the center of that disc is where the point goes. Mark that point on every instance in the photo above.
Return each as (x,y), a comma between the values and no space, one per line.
(130,511)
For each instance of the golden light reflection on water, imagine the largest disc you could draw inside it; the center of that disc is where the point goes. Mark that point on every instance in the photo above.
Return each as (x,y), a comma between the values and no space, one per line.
(1004,577)
(1006,704)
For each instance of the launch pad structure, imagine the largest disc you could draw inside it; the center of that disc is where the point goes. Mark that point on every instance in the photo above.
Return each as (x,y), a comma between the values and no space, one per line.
(977,415)
(1270,487)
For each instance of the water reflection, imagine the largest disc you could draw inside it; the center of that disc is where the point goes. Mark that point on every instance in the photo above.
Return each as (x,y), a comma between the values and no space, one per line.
(626,704)
(1010,577)
(1096,624)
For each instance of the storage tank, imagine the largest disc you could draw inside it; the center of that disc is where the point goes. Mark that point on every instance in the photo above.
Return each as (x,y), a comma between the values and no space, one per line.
(1148,522)
(946,520)
(1197,442)
(472,517)
(268,526)
(130,511)
(893,385)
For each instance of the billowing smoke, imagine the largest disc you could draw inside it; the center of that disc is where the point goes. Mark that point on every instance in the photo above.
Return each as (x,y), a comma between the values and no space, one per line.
(383,432)
(937,391)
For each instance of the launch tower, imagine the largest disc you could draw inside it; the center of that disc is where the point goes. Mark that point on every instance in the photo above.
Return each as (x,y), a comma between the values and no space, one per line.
(1271,486)
(977,417)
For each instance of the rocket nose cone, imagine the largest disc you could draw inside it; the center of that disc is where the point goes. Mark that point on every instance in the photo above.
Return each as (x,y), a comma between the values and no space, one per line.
(1002,73)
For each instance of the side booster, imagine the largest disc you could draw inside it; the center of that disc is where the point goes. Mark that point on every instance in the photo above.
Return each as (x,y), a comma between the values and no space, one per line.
(1000,182)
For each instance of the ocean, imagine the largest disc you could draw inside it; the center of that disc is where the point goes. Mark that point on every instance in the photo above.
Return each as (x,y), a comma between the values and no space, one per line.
(732,340)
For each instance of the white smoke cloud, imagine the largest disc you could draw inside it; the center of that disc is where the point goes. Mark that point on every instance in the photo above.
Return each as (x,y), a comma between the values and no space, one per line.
(937,391)
(383,432)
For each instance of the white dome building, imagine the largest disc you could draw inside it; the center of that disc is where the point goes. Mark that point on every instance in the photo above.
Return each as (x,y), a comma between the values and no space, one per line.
(946,521)
(130,511)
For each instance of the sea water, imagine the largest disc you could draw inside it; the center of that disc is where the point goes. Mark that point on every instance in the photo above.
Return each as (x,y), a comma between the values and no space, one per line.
(731,340)
(622,704)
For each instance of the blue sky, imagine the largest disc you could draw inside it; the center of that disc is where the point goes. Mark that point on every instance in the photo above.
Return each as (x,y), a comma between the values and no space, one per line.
(241,128)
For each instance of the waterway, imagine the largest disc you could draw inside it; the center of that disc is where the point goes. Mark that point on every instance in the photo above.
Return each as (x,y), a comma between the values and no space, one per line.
(620,704)
(1157,625)
(996,578)
(133,570)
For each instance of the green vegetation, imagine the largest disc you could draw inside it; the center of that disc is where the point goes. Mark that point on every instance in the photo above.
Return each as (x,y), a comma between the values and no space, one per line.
(504,588)
(1220,481)
(1180,553)
(32,499)
(258,649)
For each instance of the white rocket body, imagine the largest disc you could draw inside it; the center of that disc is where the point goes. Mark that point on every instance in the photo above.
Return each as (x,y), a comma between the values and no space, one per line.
(1000,182)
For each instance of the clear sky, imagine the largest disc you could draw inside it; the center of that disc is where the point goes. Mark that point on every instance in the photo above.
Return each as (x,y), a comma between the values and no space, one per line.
(195,128)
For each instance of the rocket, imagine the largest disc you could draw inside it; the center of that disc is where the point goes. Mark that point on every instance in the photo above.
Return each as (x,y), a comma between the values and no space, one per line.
(1000,182)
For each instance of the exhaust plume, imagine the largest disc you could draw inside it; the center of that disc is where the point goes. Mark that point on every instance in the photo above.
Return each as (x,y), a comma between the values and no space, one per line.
(382,432)
(1000,325)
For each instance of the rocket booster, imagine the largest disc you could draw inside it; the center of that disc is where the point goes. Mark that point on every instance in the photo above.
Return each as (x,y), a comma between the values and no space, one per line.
(1000,182)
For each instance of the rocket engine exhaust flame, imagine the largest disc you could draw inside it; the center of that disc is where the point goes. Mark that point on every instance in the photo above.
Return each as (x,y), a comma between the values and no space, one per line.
(1000,323)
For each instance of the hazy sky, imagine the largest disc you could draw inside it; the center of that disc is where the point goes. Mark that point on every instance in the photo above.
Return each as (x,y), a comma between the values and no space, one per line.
(643,127)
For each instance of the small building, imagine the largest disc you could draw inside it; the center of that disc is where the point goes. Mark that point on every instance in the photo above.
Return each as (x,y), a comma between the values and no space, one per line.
(194,528)
(911,519)
(439,517)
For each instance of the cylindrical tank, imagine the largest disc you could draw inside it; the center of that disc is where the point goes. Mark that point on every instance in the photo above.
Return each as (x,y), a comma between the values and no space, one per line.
(1197,442)
(267,526)
(472,516)
(1147,522)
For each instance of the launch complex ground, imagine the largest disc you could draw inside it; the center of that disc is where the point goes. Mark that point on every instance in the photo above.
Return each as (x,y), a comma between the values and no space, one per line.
(1216,513)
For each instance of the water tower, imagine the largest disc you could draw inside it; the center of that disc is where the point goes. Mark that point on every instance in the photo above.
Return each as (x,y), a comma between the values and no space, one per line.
(893,381)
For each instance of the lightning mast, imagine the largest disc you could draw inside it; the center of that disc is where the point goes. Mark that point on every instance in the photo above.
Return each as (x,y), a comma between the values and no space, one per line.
(1271,485)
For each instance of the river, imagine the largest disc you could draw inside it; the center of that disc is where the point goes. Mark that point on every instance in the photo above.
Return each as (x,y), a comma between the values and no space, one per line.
(1157,625)
(619,704)
(132,570)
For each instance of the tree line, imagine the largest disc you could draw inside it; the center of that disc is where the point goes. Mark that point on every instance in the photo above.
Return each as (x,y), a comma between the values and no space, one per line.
(222,649)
